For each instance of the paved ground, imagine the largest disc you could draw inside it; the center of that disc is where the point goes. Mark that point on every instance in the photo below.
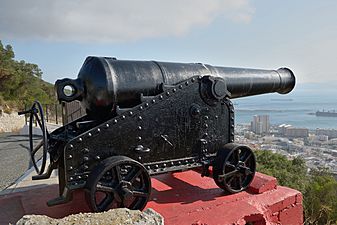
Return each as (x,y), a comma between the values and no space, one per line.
(14,157)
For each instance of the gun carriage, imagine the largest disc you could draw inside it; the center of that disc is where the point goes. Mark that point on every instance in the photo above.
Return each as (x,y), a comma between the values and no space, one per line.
(146,118)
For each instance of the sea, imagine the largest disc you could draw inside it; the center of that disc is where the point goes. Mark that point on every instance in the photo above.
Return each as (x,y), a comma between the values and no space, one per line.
(296,108)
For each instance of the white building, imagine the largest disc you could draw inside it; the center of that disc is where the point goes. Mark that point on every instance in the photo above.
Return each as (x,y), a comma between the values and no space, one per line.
(260,124)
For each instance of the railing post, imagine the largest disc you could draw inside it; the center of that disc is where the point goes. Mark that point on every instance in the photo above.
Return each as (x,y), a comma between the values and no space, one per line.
(56,114)
(26,120)
(46,112)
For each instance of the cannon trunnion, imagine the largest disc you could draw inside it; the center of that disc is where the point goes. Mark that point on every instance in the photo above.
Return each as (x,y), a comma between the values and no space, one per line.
(172,123)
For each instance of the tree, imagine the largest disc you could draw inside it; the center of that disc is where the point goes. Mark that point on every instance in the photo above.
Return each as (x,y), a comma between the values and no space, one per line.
(21,82)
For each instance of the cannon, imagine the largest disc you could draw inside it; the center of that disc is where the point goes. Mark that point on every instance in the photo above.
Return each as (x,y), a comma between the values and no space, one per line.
(145,118)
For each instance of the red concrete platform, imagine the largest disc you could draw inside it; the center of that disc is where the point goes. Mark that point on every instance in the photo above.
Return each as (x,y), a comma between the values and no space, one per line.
(182,198)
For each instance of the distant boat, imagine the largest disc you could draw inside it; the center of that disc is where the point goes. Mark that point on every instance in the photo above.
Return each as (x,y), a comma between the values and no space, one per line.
(282,99)
(323,113)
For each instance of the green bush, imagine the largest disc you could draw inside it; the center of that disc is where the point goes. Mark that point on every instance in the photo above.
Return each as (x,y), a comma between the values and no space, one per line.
(319,187)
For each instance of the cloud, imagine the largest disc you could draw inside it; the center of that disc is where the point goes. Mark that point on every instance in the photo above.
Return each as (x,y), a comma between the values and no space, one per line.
(114,20)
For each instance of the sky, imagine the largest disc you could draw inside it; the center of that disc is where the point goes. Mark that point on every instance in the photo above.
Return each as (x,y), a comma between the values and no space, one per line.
(266,34)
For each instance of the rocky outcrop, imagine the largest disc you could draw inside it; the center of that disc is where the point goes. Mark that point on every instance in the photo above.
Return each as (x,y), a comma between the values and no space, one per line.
(11,122)
(120,216)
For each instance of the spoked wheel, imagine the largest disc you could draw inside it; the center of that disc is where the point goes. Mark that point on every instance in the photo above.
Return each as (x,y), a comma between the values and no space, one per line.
(234,167)
(36,113)
(118,182)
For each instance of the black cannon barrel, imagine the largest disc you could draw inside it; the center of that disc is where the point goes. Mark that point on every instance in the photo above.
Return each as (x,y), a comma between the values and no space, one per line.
(105,82)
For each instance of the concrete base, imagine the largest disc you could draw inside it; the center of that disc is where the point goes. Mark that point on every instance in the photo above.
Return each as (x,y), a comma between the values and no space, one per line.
(181,198)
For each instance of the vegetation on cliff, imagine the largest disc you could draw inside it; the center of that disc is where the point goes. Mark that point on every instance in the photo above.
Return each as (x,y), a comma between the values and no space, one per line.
(21,82)
(319,188)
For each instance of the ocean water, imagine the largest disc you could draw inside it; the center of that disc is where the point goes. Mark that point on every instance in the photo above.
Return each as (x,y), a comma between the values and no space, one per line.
(292,108)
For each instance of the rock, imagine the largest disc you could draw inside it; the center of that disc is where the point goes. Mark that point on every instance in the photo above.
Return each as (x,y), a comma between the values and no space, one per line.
(114,216)
(11,122)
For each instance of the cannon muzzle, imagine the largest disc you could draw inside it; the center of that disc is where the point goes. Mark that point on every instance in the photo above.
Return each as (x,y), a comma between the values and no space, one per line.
(103,83)
(247,82)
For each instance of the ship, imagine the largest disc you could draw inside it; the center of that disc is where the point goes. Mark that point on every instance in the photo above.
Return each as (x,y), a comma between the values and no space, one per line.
(323,113)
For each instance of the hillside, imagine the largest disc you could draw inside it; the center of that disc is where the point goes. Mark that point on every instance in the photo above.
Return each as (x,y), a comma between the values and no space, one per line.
(21,82)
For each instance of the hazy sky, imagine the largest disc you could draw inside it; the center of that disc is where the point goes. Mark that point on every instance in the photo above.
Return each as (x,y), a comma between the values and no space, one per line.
(58,35)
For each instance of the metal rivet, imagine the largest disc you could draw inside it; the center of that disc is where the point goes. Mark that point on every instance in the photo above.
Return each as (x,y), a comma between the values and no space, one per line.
(85,158)
(179,162)
(232,118)
(167,93)
(70,168)
(232,125)
(160,97)
(205,125)
(98,130)
(216,117)
(97,157)
(139,138)
(164,164)
(141,107)
(71,146)
(174,90)
(140,118)
(130,113)
(157,166)
(80,140)
(153,101)
(86,150)
(70,156)
(146,104)
(114,121)
(186,161)
(148,167)
(230,103)
(186,83)
(139,128)
(180,86)
(206,117)
(86,175)
(89,134)
(86,167)
(79,177)
(139,158)
(172,163)
(205,134)
(123,117)
(193,79)
(232,110)
(71,178)
(232,133)
(75,183)
(107,125)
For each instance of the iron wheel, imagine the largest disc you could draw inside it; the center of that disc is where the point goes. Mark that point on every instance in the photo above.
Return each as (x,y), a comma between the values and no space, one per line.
(118,182)
(234,167)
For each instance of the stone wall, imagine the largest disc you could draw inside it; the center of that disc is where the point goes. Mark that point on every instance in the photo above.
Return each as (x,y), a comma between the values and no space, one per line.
(11,122)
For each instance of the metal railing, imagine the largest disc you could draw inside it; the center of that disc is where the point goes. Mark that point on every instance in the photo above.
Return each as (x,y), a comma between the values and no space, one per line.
(60,113)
